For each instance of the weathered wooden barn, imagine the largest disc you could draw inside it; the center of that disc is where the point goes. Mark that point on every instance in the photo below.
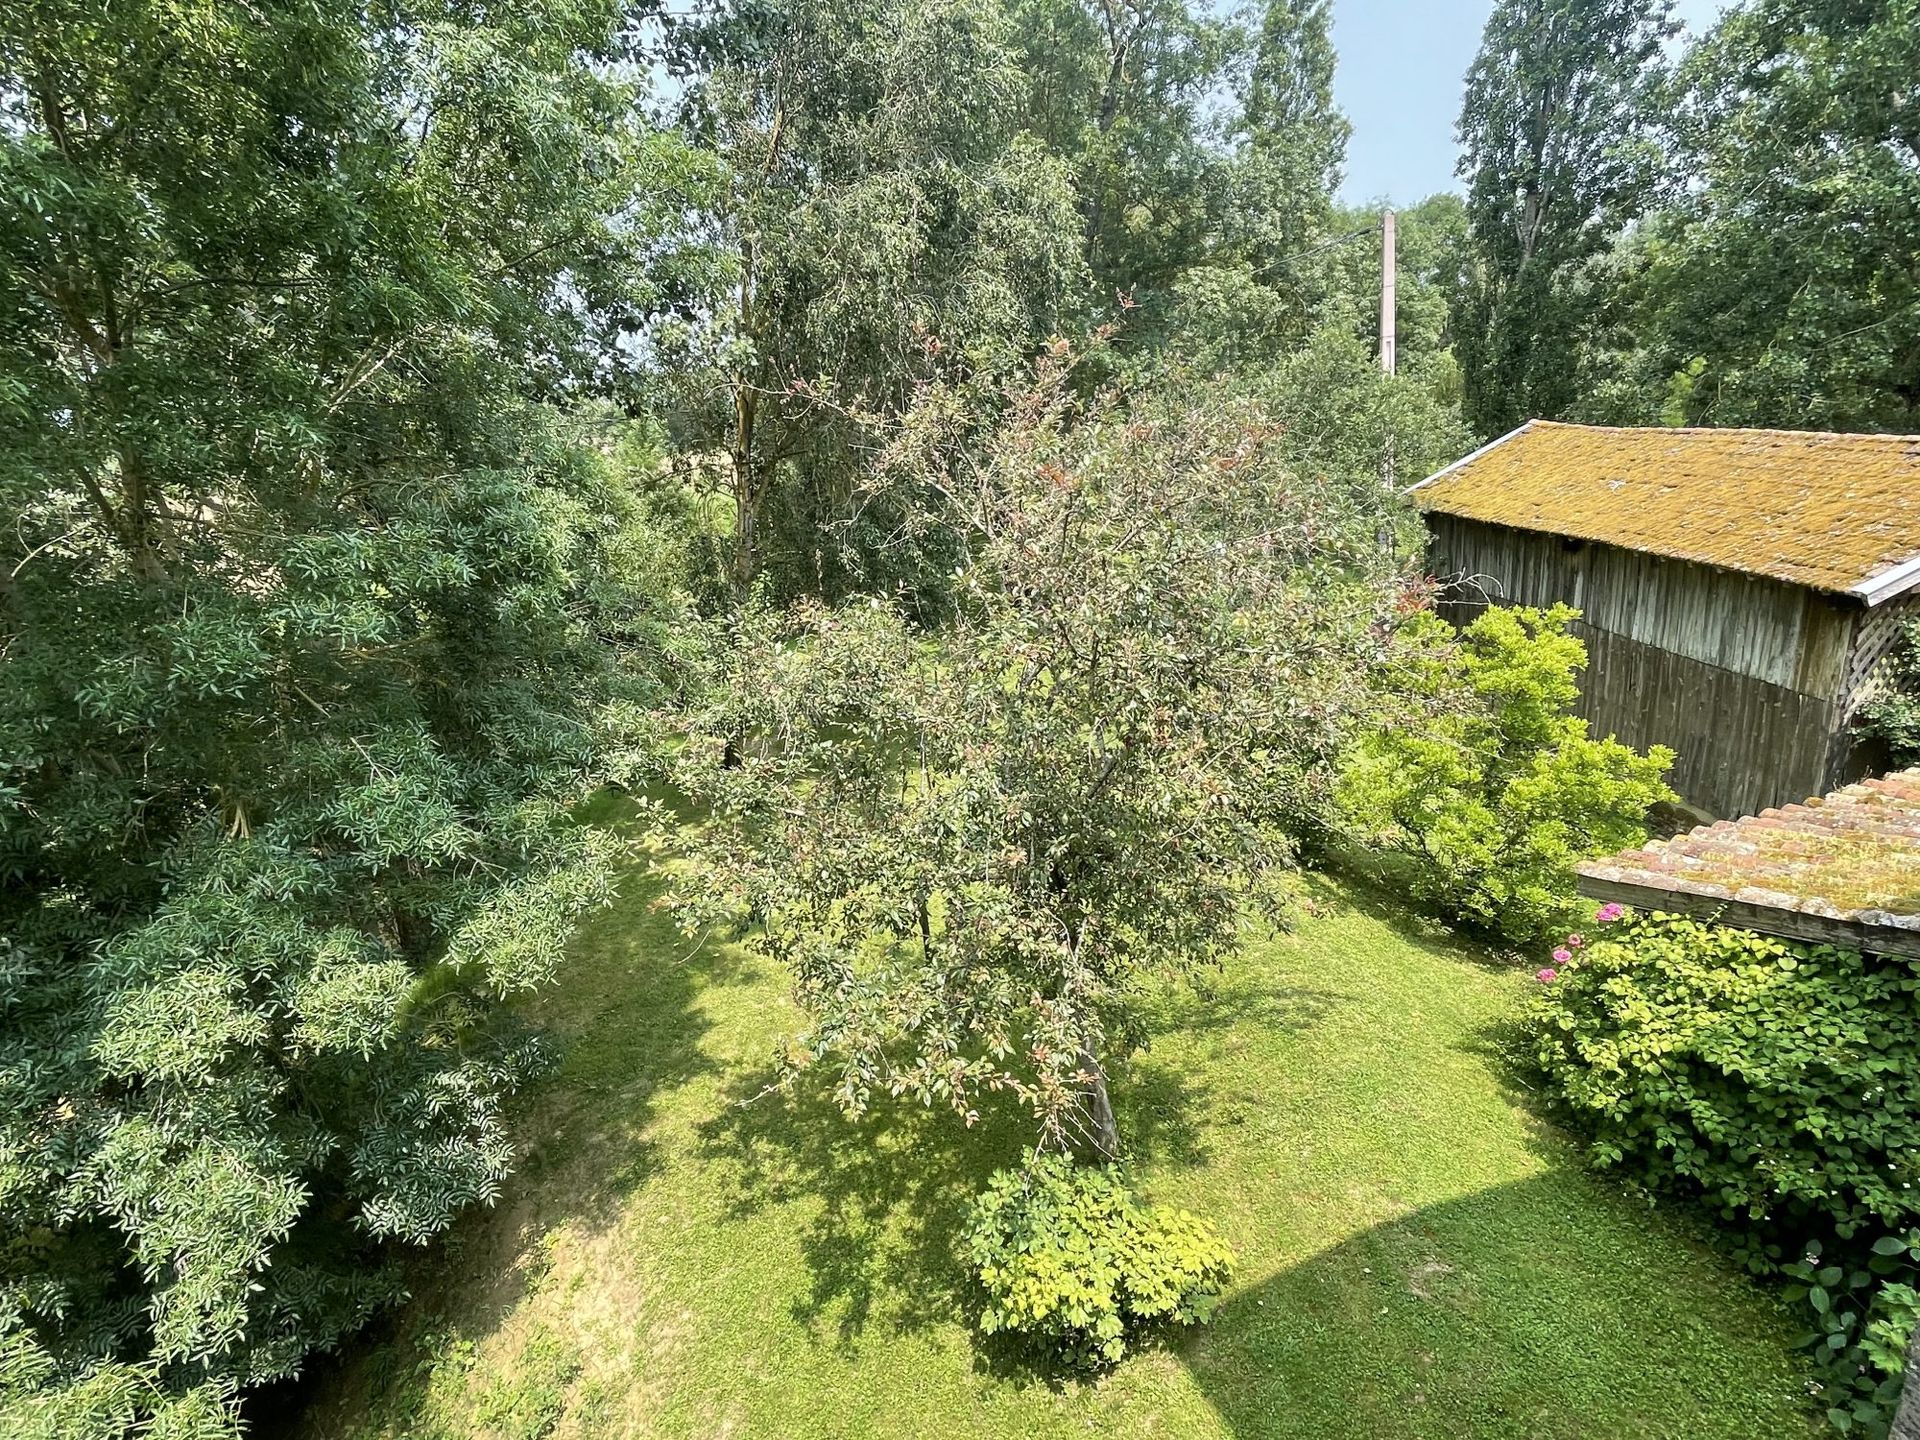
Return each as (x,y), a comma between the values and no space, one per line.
(1738,588)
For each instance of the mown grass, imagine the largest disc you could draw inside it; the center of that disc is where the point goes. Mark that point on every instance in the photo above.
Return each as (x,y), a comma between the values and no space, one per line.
(1419,1254)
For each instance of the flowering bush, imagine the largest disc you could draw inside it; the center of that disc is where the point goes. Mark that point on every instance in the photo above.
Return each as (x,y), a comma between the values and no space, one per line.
(1068,1256)
(1482,777)
(1779,1084)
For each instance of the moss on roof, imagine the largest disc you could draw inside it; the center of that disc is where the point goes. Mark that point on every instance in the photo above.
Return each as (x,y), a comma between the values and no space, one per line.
(1822,510)
(1853,855)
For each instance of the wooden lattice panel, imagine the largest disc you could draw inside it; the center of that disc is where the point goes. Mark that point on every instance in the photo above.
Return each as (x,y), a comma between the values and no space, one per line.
(1874,638)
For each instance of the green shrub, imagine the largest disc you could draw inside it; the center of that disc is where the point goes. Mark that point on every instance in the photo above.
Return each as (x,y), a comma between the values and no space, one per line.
(1780,1084)
(1777,1079)
(1481,776)
(1070,1258)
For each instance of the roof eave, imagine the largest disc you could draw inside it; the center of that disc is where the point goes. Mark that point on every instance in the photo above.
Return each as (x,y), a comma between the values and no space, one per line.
(1889,584)
(1880,933)
(1468,459)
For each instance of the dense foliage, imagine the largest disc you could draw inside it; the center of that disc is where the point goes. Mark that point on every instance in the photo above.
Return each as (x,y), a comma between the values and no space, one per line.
(1777,1082)
(1558,157)
(973,852)
(372,381)
(828,121)
(1070,1259)
(1014,172)
(314,621)
(1480,776)
(1779,289)
(1775,174)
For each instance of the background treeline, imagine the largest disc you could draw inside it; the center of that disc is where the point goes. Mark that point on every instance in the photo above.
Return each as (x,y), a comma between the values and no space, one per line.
(1719,232)
(408,409)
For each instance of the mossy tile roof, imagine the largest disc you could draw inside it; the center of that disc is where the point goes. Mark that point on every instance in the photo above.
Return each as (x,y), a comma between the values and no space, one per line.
(1843,867)
(1833,512)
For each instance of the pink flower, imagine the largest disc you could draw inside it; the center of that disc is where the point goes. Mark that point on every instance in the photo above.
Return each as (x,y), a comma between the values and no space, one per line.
(1563,954)
(1610,912)
(1576,941)
(1546,976)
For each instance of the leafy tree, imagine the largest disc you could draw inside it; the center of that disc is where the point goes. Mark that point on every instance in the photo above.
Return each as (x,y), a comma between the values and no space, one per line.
(313,614)
(1343,418)
(1287,111)
(1559,149)
(1346,421)
(972,853)
(1483,779)
(1246,280)
(885,220)
(1124,92)
(1274,208)
(1781,290)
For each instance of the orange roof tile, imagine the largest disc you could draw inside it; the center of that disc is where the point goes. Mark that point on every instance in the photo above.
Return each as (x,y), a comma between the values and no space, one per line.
(1833,512)
(1850,859)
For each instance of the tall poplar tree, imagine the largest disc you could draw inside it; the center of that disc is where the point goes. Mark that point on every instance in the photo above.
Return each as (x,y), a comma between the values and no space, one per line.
(1559,148)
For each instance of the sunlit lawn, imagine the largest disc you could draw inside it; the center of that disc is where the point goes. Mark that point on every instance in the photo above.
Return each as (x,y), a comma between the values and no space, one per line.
(1420,1256)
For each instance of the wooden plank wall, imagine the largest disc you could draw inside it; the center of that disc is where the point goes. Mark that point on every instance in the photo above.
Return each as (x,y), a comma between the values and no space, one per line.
(1739,744)
(1741,676)
(1782,634)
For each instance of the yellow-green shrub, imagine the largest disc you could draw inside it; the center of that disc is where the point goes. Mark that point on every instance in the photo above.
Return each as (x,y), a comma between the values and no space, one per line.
(1069,1257)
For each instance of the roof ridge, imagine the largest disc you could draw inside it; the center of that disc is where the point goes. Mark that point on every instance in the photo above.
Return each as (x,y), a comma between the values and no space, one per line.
(1889,435)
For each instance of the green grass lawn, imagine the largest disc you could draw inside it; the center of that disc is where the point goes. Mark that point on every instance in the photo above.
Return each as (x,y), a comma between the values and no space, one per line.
(1419,1255)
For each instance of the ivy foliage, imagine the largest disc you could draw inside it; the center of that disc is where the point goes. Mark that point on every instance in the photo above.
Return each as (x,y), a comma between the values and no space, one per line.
(1481,778)
(1070,1259)
(1779,1084)
(316,616)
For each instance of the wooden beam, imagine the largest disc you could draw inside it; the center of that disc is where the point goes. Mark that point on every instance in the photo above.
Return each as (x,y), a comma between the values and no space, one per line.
(1767,920)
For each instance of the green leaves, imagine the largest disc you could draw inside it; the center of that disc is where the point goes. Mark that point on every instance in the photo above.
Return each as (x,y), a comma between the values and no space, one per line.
(319,614)
(1069,1259)
(1557,134)
(1783,1097)
(973,853)
(1782,283)
(1481,777)
(1767,281)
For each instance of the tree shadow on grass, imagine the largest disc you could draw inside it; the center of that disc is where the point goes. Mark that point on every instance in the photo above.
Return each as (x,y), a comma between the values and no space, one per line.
(1376,897)
(885,1197)
(627,1029)
(1165,1108)
(1549,1307)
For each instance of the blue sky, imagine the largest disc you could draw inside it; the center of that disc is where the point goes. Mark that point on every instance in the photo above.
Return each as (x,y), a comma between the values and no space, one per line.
(1402,64)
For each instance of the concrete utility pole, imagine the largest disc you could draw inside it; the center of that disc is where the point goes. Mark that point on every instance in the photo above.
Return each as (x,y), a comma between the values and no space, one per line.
(1389,267)
(1387,299)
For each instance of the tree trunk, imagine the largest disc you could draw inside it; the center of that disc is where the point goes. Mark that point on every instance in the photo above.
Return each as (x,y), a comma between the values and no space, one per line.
(1101,1134)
